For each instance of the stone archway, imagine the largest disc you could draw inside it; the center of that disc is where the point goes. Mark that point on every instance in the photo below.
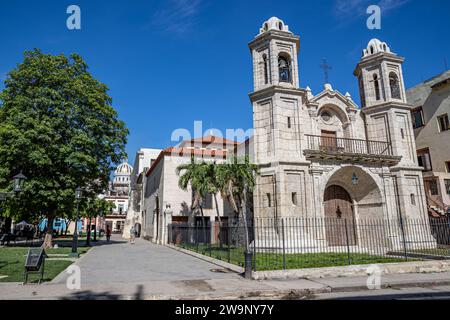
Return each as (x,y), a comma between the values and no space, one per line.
(351,195)
(339,217)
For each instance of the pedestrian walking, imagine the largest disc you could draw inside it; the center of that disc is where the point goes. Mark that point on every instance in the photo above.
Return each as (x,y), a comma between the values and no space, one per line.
(132,235)
(108,233)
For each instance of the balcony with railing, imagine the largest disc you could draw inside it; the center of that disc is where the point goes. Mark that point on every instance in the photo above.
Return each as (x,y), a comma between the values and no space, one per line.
(351,150)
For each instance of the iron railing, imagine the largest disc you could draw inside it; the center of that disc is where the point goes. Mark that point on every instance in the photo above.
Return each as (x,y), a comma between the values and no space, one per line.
(296,243)
(350,146)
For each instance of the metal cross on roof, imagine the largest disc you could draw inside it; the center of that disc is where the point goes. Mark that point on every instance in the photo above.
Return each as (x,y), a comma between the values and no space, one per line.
(326,67)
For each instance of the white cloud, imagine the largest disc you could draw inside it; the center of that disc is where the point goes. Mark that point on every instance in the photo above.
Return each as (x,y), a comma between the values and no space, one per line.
(177,16)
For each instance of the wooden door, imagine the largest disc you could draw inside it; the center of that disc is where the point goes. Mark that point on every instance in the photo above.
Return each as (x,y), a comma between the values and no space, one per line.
(328,141)
(180,230)
(339,218)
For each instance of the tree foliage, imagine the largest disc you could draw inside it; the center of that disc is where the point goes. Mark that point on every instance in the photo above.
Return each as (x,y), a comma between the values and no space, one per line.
(57,125)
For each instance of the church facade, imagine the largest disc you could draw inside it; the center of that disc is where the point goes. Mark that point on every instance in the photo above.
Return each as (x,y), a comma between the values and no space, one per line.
(321,156)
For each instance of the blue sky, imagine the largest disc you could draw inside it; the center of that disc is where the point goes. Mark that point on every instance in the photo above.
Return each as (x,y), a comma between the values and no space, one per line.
(169,63)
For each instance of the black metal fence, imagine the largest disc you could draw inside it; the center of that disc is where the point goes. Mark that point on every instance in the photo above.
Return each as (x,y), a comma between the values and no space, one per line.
(296,243)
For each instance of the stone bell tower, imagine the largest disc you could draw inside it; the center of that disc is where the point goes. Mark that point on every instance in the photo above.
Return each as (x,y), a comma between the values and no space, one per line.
(276,98)
(388,118)
(274,53)
(278,115)
(383,100)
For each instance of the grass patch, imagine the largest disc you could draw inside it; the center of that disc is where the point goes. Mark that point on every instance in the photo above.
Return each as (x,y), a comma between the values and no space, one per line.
(12,261)
(265,261)
(274,261)
(436,252)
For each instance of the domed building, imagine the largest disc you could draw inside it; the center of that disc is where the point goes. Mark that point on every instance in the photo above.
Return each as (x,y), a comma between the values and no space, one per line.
(122,179)
(118,193)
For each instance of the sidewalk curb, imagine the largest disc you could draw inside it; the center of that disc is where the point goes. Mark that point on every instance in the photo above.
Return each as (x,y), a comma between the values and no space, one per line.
(217,262)
(355,270)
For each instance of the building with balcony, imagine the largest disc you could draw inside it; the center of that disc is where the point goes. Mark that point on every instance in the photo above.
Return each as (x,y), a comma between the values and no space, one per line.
(430,115)
(321,155)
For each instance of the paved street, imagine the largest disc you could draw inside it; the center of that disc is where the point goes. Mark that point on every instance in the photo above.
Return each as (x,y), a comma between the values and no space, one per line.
(122,262)
(119,270)
(414,293)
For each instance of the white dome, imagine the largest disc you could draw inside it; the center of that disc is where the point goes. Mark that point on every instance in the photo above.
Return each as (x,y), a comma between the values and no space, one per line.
(375,46)
(274,23)
(124,168)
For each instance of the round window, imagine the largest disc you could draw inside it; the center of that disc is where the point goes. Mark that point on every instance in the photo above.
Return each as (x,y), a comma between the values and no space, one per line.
(326,116)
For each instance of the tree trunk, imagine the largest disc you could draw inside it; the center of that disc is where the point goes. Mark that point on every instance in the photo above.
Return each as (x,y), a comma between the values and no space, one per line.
(203,222)
(88,235)
(67,221)
(244,216)
(8,223)
(48,243)
(95,229)
(218,220)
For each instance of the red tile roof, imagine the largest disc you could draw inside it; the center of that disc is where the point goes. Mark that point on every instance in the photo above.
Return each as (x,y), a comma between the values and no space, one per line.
(214,139)
(188,152)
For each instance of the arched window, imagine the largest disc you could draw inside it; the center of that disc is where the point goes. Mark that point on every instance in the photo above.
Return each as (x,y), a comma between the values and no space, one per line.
(361,92)
(284,68)
(280,26)
(377,87)
(265,70)
(371,50)
(395,86)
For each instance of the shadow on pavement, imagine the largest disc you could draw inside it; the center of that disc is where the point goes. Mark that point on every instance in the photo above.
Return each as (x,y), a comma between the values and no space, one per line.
(65,243)
(90,295)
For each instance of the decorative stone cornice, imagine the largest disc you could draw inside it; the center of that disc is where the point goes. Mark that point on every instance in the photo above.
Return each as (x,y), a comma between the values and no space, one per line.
(272,90)
(274,34)
(330,93)
(386,107)
(377,58)
(313,107)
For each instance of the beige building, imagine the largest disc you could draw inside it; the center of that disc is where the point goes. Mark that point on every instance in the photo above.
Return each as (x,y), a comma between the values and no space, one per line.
(431,102)
(143,161)
(321,155)
(165,203)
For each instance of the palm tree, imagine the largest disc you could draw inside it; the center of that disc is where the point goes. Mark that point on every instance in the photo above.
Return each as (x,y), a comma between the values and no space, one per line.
(194,174)
(213,187)
(236,180)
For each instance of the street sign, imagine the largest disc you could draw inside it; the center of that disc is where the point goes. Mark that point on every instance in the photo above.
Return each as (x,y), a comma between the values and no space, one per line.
(35,262)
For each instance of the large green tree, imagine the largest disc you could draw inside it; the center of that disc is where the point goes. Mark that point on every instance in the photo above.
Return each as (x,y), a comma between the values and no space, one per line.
(57,125)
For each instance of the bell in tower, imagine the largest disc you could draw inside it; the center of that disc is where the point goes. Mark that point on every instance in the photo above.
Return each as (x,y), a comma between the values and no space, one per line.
(274,51)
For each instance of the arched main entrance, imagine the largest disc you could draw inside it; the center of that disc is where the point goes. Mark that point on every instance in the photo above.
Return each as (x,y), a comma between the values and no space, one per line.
(339,217)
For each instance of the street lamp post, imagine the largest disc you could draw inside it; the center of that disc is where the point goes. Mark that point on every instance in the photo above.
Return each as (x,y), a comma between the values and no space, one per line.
(18,181)
(78,195)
